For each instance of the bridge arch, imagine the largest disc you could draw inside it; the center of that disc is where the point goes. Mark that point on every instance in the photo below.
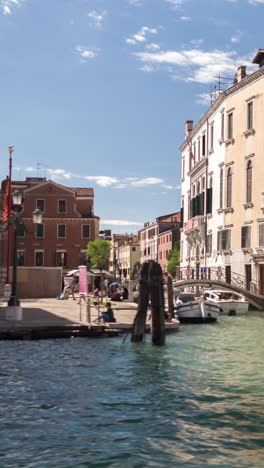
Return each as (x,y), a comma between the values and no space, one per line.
(257,300)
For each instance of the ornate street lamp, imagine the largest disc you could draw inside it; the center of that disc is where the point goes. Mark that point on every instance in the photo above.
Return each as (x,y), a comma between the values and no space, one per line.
(17,198)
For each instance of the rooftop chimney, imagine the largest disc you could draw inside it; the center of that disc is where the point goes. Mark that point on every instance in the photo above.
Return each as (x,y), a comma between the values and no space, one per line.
(241,73)
(188,128)
(259,58)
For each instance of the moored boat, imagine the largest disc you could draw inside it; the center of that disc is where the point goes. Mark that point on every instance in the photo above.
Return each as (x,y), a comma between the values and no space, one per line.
(190,310)
(231,302)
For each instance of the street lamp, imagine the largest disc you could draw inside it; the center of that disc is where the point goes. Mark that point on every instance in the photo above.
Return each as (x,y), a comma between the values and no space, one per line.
(17,198)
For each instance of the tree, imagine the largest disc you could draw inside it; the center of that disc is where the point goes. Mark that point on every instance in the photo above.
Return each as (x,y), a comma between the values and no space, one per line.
(98,252)
(174,259)
(134,274)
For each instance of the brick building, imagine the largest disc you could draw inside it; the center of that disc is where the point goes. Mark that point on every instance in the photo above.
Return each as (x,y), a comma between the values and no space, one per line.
(158,239)
(68,224)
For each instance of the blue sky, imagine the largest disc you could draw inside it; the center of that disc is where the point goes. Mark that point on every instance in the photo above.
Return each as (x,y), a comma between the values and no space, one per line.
(96,92)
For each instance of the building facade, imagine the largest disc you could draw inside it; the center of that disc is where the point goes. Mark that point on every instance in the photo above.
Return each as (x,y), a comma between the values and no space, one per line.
(222,183)
(124,255)
(68,224)
(158,239)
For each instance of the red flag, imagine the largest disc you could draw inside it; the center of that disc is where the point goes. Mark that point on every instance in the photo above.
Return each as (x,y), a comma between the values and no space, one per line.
(5,214)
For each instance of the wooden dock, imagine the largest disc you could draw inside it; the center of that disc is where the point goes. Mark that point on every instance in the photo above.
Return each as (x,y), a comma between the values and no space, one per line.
(51,318)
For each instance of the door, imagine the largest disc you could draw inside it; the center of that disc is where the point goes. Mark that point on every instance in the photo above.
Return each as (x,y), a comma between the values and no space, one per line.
(248,276)
(261,279)
(228,273)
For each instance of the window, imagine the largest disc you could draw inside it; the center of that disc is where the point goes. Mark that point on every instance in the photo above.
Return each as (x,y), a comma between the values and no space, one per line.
(261,235)
(245,236)
(199,149)
(222,126)
(85,231)
(39,258)
(230,125)
(61,230)
(183,168)
(249,183)
(20,230)
(62,206)
(40,205)
(229,188)
(194,152)
(209,244)
(212,137)
(20,257)
(203,145)
(250,115)
(133,249)
(221,188)
(223,240)
(39,230)
(61,259)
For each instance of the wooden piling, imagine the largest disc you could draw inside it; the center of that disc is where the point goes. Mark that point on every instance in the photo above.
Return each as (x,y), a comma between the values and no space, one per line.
(141,315)
(170,296)
(157,304)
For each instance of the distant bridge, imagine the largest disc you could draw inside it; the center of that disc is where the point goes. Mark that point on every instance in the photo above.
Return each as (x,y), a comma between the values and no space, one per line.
(217,277)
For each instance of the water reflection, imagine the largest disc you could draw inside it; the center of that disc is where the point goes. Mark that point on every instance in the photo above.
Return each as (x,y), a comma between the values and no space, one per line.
(196,402)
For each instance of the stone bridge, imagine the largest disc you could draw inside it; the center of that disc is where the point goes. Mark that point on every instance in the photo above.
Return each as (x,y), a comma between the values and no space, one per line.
(255,299)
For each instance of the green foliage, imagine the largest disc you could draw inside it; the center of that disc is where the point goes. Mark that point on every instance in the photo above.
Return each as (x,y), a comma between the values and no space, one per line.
(98,252)
(174,259)
(136,269)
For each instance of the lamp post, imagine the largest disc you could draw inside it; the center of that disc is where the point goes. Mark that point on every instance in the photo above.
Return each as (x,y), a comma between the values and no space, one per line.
(17,198)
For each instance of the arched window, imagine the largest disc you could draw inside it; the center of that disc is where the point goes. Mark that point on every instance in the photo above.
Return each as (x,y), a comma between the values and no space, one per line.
(221,188)
(198,188)
(229,188)
(249,182)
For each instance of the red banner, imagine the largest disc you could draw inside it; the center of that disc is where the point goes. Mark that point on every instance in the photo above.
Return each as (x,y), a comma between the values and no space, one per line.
(83,279)
(5,215)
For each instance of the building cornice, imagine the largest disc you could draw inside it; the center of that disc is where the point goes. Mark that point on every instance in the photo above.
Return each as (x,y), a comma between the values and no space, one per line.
(221,98)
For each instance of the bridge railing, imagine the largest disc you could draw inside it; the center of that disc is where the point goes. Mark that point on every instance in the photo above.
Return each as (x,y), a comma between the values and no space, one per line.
(219,274)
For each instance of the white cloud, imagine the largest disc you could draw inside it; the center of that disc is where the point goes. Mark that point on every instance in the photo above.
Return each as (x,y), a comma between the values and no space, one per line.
(195,64)
(204,99)
(7,5)
(103,181)
(86,54)
(197,42)
(152,46)
(140,36)
(185,18)
(119,222)
(176,3)
(59,174)
(135,2)
(96,19)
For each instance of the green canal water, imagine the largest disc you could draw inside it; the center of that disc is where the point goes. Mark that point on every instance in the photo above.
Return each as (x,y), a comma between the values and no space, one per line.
(198,401)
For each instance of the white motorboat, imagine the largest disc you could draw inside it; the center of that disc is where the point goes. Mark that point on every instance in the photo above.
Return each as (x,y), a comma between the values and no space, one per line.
(231,303)
(190,310)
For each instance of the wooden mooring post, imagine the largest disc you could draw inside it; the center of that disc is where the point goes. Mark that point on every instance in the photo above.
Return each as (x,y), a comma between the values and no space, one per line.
(170,296)
(150,289)
(157,304)
(141,315)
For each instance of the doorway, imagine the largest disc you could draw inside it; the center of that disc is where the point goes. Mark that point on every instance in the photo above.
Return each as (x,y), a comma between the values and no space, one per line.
(248,276)
(261,278)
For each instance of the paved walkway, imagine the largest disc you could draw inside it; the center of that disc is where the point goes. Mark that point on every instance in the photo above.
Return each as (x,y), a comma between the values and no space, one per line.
(54,312)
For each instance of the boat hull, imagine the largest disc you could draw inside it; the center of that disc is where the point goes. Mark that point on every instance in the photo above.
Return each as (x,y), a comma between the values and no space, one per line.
(197,312)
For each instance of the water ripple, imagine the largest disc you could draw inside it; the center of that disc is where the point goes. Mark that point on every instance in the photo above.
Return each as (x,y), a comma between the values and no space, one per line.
(197,402)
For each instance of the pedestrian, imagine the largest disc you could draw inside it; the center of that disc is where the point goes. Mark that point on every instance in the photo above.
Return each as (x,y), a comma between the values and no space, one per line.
(108,316)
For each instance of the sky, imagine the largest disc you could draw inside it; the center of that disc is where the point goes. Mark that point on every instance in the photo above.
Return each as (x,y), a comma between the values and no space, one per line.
(95,93)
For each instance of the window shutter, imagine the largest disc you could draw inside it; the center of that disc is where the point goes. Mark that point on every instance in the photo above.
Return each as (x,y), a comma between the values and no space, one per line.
(261,235)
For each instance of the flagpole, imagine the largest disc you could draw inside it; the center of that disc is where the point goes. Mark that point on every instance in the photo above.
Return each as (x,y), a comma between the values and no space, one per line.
(10,149)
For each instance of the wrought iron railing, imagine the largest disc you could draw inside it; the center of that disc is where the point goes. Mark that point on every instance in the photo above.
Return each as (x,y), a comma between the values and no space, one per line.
(219,274)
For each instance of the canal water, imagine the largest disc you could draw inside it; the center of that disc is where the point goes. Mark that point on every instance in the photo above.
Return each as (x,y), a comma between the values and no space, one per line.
(197,402)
